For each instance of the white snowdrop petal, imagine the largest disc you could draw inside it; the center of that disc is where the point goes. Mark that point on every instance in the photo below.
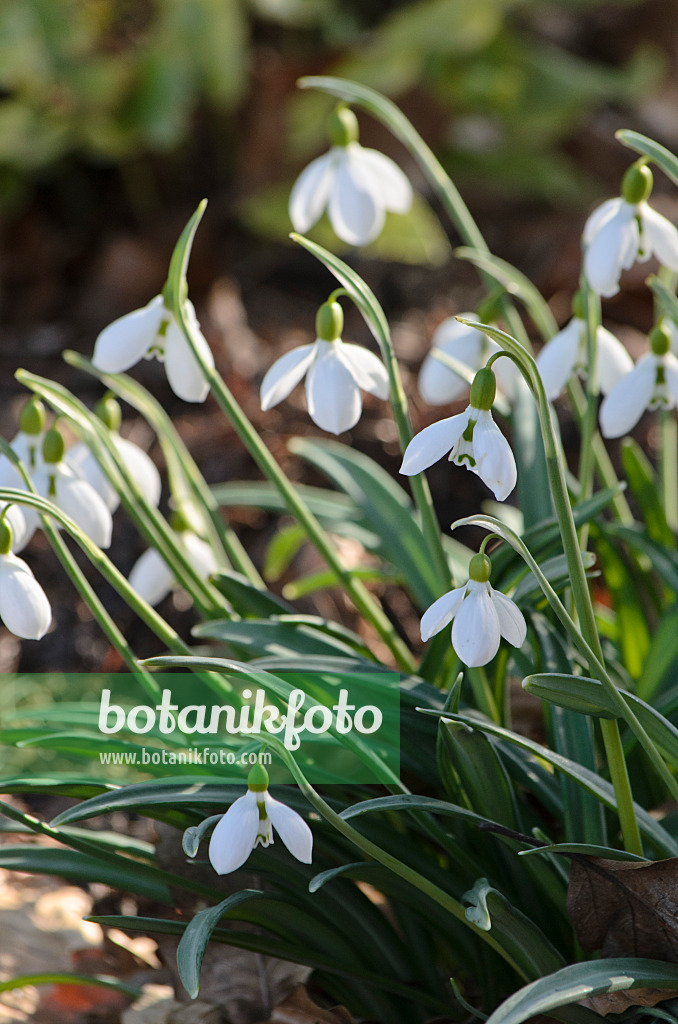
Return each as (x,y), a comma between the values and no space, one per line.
(332,395)
(284,375)
(15,517)
(141,468)
(614,362)
(356,213)
(367,369)
(311,191)
(431,443)
(151,577)
(182,368)
(558,357)
(495,464)
(511,620)
(437,383)
(475,630)
(24,607)
(235,835)
(599,217)
(612,249)
(389,181)
(85,465)
(441,612)
(292,829)
(671,375)
(85,507)
(626,403)
(200,553)
(124,342)
(661,236)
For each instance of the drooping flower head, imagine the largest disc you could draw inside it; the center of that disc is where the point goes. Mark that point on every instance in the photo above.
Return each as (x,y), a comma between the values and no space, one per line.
(250,821)
(27,445)
(624,230)
(438,384)
(58,482)
(24,607)
(152,577)
(335,372)
(651,384)
(472,439)
(151,332)
(357,186)
(140,467)
(564,355)
(480,617)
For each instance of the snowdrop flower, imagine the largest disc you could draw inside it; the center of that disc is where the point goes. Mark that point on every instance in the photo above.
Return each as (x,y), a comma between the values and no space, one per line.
(624,230)
(565,354)
(336,371)
(357,186)
(651,384)
(154,331)
(473,440)
(480,617)
(58,482)
(152,577)
(440,385)
(250,821)
(140,467)
(27,445)
(24,607)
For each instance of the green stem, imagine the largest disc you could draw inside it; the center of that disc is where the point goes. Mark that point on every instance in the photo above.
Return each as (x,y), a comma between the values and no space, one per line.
(589,420)
(622,787)
(430,889)
(180,464)
(668,466)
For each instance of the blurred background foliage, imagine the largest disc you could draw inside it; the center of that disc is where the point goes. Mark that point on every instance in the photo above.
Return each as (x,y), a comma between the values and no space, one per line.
(500,87)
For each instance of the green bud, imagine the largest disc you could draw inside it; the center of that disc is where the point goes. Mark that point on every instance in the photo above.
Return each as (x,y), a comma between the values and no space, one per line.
(660,339)
(342,126)
(179,521)
(579,309)
(33,417)
(109,411)
(5,537)
(329,321)
(483,390)
(479,568)
(637,183)
(53,446)
(257,780)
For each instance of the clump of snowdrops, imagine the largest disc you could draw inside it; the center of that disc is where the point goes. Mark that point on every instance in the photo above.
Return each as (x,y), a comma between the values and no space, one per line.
(465,860)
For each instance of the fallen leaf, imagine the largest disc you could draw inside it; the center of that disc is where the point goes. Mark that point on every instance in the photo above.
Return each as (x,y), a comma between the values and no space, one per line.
(299,1008)
(625,909)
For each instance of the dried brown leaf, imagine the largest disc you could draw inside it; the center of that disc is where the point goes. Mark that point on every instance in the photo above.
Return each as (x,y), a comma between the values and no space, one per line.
(299,1008)
(625,909)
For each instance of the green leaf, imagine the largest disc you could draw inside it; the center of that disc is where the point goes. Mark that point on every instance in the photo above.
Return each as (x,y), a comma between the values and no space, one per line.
(581,981)
(129,876)
(644,484)
(248,600)
(489,909)
(472,770)
(602,790)
(98,980)
(198,933)
(291,634)
(387,509)
(589,697)
(585,849)
(647,147)
(633,634)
